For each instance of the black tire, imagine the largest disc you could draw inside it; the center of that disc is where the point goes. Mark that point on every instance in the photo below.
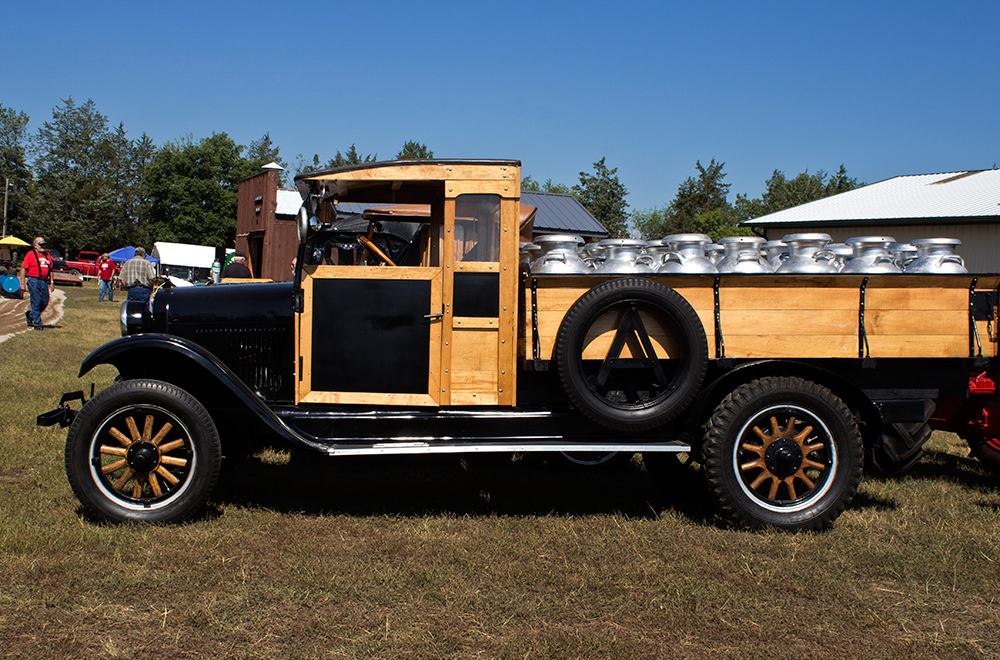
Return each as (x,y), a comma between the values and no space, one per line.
(758,466)
(631,399)
(75,273)
(126,465)
(901,449)
(986,450)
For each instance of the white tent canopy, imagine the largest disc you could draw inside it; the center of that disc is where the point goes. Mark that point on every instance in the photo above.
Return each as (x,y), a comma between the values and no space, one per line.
(182,254)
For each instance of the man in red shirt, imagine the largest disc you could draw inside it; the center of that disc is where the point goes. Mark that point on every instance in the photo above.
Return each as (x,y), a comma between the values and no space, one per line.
(106,270)
(36,276)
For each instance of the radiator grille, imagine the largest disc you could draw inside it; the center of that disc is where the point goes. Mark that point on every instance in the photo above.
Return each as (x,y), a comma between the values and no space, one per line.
(260,357)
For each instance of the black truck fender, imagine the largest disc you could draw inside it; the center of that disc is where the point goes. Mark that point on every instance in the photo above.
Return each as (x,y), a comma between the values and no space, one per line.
(189,366)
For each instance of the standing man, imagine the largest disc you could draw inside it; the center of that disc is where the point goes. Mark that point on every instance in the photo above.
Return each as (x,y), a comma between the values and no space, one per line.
(237,267)
(106,271)
(36,277)
(138,275)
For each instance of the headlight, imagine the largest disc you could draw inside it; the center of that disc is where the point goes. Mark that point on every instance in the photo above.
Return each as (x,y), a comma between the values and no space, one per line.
(135,317)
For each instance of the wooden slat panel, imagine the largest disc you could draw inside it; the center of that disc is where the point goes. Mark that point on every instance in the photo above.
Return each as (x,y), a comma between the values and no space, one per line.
(474,350)
(475,399)
(370,398)
(787,298)
(895,322)
(920,346)
(924,299)
(473,381)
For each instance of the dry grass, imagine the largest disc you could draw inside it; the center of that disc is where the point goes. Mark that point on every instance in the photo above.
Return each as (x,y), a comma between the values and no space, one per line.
(475,557)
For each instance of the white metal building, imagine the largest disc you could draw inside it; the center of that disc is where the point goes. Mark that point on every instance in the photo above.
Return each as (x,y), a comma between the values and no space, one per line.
(963,205)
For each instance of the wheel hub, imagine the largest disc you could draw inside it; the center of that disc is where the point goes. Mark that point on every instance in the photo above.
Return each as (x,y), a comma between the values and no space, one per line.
(143,456)
(783,457)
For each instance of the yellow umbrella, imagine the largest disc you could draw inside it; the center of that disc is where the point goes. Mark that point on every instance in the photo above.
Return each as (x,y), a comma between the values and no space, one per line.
(13,241)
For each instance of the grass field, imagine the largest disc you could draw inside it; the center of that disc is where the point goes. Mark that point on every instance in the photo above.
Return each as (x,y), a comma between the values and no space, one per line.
(481,557)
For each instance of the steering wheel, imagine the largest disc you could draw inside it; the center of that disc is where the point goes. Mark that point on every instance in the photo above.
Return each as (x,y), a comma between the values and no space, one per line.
(368,245)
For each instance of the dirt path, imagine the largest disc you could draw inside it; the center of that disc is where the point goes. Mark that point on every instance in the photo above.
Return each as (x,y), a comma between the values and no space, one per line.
(12,313)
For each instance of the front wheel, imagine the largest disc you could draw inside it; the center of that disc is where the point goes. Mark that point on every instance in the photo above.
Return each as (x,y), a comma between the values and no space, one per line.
(142,451)
(783,452)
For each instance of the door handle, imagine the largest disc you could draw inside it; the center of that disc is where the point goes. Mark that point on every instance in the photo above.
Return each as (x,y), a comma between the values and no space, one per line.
(434,317)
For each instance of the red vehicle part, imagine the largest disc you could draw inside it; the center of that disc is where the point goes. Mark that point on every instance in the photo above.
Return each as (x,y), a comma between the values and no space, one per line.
(976,419)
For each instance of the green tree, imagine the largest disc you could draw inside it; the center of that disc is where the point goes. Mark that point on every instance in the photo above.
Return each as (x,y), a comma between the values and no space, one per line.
(262,151)
(76,161)
(529,184)
(604,197)
(193,190)
(15,176)
(700,206)
(350,157)
(414,151)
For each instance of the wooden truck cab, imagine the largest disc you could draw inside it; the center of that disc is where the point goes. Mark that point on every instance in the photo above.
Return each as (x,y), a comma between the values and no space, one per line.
(441,333)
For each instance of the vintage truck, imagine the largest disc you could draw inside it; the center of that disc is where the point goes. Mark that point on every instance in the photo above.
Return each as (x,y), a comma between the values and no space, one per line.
(440,342)
(85,264)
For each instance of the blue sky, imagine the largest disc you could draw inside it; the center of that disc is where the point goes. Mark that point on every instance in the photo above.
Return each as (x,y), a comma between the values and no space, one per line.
(886,88)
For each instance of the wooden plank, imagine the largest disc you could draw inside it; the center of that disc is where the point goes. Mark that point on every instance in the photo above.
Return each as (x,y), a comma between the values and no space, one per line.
(923,299)
(371,272)
(370,398)
(503,188)
(895,322)
(507,350)
(474,350)
(424,172)
(471,322)
(473,381)
(475,399)
(793,299)
(478,267)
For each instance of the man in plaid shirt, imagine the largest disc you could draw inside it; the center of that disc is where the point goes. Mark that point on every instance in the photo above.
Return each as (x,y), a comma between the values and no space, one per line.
(138,275)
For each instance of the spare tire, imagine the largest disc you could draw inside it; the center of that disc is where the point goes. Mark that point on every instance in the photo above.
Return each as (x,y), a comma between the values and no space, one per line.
(642,391)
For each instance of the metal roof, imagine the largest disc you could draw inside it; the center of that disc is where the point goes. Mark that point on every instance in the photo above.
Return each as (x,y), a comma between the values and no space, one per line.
(289,202)
(947,198)
(557,214)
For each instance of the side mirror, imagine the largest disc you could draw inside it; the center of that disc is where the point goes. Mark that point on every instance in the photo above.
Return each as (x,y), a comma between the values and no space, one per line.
(302,224)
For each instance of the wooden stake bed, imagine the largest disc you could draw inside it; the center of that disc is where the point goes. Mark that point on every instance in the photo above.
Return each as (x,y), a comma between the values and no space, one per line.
(789,316)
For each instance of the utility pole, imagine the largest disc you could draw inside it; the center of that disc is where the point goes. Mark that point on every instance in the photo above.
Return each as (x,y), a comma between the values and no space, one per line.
(6,184)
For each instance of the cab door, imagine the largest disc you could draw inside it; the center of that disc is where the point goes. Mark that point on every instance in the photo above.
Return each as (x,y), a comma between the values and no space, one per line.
(480,295)
(370,335)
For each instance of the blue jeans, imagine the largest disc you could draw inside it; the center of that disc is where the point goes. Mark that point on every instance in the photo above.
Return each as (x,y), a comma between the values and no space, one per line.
(38,289)
(139,293)
(106,288)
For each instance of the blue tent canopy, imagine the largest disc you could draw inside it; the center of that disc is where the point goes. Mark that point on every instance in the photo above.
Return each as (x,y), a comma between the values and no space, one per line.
(126,253)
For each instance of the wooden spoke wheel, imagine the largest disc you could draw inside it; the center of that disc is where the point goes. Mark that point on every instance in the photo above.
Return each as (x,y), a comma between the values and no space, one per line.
(783,452)
(142,451)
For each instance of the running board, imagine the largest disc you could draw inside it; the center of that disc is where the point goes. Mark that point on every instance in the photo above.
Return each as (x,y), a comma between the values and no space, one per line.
(340,432)
(450,447)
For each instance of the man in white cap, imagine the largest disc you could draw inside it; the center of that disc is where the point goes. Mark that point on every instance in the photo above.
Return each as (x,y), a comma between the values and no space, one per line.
(36,276)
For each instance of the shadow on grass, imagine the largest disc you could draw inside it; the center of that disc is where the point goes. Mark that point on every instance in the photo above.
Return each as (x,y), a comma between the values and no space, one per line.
(468,484)
(964,471)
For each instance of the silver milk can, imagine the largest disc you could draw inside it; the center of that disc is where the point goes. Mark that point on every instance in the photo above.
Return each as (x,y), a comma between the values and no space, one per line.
(686,254)
(742,255)
(871,255)
(936,255)
(558,255)
(625,256)
(807,254)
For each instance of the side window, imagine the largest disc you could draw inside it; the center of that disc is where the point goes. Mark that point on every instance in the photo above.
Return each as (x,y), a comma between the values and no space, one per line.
(477,228)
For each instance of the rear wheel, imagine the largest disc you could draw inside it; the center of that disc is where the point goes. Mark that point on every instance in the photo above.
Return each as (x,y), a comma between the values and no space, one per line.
(142,451)
(987,450)
(783,452)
